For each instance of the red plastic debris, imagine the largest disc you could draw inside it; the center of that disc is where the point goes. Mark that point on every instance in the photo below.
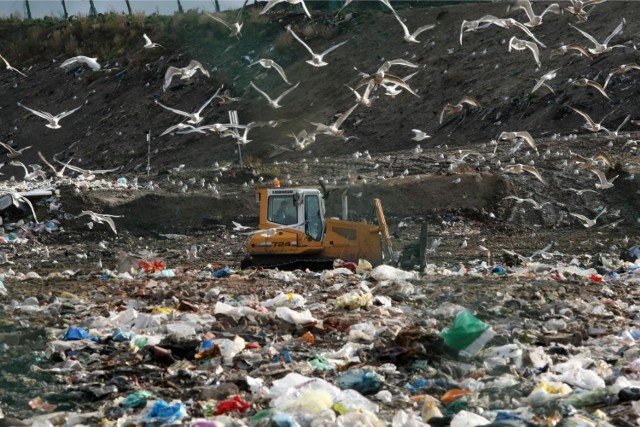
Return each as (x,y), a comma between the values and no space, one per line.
(235,404)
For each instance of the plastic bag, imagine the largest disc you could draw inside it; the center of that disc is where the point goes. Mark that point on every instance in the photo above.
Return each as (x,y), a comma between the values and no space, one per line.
(164,413)
(468,334)
(138,399)
(235,404)
(361,380)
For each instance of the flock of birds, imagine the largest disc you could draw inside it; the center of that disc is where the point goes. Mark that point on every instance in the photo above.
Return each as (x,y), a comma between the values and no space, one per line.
(366,92)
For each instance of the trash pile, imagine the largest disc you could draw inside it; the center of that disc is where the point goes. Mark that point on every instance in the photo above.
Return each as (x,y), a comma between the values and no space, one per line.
(534,344)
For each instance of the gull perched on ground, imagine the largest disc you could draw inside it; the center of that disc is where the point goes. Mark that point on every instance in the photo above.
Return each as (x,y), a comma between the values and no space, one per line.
(10,68)
(29,176)
(101,218)
(590,124)
(562,50)
(334,129)
(195,117)
(16,198)
(185,73)
(456,108)
(419,135)
(57,173)
(586,221)
(604,183)
(90,62)
(584,82)
(270,63)
(272,3)
(53,120)
(534,20)
(621,69)
(274,103)
(602,47)
(542,81)
(236,27)
(316,60)
(518,44)
(148,44)
(535,205)
(11,152)
(520,168)
(524,135)
(411,37)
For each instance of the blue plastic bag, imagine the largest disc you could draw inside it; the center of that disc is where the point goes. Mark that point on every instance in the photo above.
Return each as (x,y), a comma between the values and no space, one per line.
(165,414)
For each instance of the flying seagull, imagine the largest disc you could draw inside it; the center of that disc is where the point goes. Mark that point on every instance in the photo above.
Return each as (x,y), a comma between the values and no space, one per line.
(29,176)
(272,3)
(101,218)
(524,135)
(185,73)
(53,120)
(542,81)
(621,69)
(518,44)
(411,37)
(535,205)
(316,60)
(584,82)
(520,168)
(456,108)
(562,50)
(236,27)
(86,173)
(270,63)
(275,103)
(194,117)
(419,135)
(148,44)
(590,124)
(334,129)
(57,173)
(604,46)
(604,183)
(11,152)
(534,20)
(16,198)
(586,221)
(10,68)
(90,62)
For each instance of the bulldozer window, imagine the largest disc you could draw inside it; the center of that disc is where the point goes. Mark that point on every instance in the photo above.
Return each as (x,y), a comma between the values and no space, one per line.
(282,210)
(313,218)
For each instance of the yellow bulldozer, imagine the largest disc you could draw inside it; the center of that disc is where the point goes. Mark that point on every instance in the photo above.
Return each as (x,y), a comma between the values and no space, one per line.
(293,232)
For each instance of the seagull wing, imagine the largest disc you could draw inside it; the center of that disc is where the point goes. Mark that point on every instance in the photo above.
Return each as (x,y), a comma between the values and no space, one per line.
(241,11)
(400,82)
(261,92)
(182,113)
(306,11)
(597,87)
(295,36)
(8,147)
(420,30)
(624,122)
(26,200)
(286,92)
(38,113)
(46,162)
(344,116)
(527,32)
(581,217)
(404,27)
(385,67)
(332,48)
(168,75)
(615,32)
(588,36)
(534,172)
(220,20)
(527,137)
(69,61)
(280,71)
(599,174)
(193,64)
(9,67)
(586,117)
(269,5)
(147,40)
(66,113)
(208,101)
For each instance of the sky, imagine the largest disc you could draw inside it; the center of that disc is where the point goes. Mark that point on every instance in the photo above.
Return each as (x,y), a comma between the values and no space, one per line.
(41,8)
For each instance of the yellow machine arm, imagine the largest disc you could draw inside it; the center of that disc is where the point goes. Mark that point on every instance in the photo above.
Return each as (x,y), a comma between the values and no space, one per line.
(385,229)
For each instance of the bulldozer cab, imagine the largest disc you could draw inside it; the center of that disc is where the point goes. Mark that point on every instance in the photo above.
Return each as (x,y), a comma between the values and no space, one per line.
(298,209)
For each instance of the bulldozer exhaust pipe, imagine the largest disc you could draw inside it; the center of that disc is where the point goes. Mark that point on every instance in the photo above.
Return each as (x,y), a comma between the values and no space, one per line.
(345,205)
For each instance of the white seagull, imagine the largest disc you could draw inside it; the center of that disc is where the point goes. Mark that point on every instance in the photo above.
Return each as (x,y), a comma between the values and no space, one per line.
(86,173)
(57,173)
(10,68)
(586,221)
(12,152)
(598,47)
(195,117)
(275,103)
(236,27)
(604,183)
(270,63)
(621,69)
(316,60)
(519,44)
(534,20)
(239,227)
(29,176)
(584,82)
(101,218)
(520,168)
(419,135)
(411,37)
(90,62)
(590,124)
(524,135)
(535,205)
(53,120)
(148,44)
(185,73)
(364,99)
(542,81)
(334,129)
(17,198)
(272,3)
